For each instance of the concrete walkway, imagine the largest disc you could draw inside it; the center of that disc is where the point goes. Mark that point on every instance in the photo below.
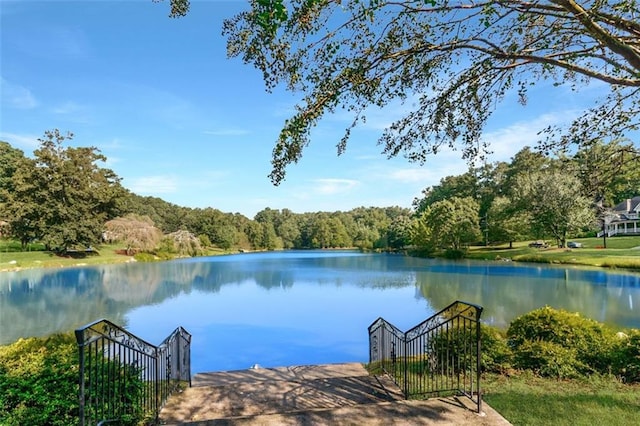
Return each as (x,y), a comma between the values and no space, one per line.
(334,394)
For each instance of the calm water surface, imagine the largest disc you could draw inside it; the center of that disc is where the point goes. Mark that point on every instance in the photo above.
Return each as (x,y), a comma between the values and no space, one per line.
(300,307)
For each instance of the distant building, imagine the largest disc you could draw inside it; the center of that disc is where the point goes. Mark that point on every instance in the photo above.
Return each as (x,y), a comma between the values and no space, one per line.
(625,219)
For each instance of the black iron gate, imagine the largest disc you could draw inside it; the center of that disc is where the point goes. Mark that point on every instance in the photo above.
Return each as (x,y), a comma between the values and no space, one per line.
(439,356)
(124,378)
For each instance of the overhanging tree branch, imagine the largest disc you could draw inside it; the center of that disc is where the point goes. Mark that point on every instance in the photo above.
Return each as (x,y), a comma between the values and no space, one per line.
(457,57)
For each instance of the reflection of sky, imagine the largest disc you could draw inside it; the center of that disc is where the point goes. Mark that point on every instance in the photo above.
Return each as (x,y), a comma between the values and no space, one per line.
(283,308)
(308,323)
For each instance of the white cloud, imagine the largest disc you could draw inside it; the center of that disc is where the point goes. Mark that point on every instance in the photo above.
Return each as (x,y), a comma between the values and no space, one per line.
(334,186)
(505,142)
(16,96)
(151,185)
(27,142)
(424,174)
(72,111)
(113,144)
(68,107)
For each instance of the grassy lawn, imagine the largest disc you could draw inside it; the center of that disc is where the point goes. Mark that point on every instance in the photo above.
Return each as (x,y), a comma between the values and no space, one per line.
(11,258)
(524,399)
(621,252)
(38,258)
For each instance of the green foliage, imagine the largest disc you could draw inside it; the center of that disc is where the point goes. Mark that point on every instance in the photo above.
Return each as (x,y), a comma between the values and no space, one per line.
(583,344)
(11,159)
(353,55)
(548,342)
(205,241)
(555,203)
(464,185)
(450,224)
(627,356)
(496,354)
(548,359)
(144,257)
(62,197)
(526,399)
(608,171)
(454,254)
(507,223)
(39,383)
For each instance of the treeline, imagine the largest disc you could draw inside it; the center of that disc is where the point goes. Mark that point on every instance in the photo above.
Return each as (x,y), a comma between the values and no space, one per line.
(533,196)
(64,199)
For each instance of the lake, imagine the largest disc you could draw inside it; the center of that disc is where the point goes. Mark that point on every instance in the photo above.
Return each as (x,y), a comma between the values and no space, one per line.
(297,307)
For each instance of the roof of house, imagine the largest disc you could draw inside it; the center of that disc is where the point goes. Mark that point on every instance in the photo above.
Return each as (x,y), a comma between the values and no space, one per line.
(628,205)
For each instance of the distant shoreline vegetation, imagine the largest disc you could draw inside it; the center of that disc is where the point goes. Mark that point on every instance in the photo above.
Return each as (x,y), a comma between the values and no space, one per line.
(61,208)
(622,253)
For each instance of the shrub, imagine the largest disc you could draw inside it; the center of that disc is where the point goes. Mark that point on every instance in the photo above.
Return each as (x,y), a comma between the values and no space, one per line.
(495,355)
(627,357)
(591,342)
(454,254)
(39,383)
(204,240)
(144,257)
(548,359)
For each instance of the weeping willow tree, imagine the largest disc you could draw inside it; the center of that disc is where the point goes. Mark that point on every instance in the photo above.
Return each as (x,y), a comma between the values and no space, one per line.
(453,61)
(135,231)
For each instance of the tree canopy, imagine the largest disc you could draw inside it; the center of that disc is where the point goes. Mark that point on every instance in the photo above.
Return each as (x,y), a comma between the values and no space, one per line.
(62,197)
(452,61)
(555,202)
(451,223)
(135,231)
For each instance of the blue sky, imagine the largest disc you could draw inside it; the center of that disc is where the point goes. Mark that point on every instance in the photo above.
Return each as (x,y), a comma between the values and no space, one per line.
(178,120)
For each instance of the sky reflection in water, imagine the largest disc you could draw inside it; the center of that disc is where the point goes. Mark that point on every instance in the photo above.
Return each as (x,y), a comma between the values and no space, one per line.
(296,307)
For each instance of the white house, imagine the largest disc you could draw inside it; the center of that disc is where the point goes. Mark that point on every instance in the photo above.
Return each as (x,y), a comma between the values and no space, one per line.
(624,218)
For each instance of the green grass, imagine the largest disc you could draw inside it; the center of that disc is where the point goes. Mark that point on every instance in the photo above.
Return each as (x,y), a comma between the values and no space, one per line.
(12,258)
(621,252)
(43,259)
(525,399)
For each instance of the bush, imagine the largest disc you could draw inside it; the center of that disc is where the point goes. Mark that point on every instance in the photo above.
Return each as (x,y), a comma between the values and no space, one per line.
(454,254)
(39,383)
(548,359)
(495,355)
(591,342)
(627,356)
(144,257)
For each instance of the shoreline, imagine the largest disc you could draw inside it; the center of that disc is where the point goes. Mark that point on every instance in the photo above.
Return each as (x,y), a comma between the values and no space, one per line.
(606,263)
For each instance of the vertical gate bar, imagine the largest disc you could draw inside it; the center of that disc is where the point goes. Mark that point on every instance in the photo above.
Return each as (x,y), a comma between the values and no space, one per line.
(93,385)
(478,360)
(110,379)
(429,353)
(450,344)
(459,345)
(102,371)
(178,359)
(437,354)
(472,354)
(81,380)
(157,387)
(406,372)
(119,387)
